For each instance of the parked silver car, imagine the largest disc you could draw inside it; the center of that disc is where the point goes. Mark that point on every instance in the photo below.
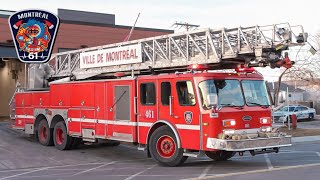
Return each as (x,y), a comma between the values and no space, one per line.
(302,112)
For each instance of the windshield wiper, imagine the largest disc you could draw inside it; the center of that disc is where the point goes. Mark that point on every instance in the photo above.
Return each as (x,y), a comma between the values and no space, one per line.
(231,105)
(261,105)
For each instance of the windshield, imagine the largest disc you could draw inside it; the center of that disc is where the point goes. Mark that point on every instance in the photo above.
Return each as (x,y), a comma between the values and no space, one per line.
(228,91)
(255,93)
(286,108)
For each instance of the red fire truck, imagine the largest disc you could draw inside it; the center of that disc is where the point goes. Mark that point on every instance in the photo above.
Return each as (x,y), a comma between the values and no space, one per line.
(161,94)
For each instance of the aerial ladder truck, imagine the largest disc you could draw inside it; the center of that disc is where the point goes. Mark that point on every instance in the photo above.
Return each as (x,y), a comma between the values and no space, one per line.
(163,94)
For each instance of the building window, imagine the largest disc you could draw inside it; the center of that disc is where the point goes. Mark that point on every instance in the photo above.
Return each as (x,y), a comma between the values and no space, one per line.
(147,94)
(165,93)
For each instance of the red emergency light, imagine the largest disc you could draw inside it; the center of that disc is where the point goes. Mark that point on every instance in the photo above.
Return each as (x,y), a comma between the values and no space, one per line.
(242,69)
(119,74)
(198,67)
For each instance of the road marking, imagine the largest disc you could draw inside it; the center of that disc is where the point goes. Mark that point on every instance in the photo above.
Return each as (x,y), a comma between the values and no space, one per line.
(88,170)
(255,171)
(16,175)
(205,171)
(69,165)
(13,170)
(6,150)
(137,174)
(53,160)
(318,153)
(268,161)
(63,175)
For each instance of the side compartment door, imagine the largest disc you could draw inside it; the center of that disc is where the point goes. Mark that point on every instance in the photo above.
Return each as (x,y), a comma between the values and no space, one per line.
(147,107)
(100,107)
(74,121)
(121,109)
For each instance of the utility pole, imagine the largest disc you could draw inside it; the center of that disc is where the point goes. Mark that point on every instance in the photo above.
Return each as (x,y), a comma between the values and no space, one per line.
(185,25)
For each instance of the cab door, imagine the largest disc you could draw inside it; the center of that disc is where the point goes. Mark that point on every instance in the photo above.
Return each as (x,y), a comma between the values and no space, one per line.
(186,113)
(165,100)
(147,107)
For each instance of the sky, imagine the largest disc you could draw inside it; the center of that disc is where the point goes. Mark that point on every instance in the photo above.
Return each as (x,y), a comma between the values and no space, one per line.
(206,13)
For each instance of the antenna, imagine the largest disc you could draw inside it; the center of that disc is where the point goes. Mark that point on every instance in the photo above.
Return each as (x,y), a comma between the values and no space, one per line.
(134,25)
(186,25)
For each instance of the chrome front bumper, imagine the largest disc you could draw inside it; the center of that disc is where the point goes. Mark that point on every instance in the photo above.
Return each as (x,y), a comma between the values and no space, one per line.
(248,144)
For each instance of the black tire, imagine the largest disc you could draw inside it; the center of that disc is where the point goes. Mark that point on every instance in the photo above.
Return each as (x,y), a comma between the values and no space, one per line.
(311,116)
(165,138)
(62,140)
(220,155)
(44,133)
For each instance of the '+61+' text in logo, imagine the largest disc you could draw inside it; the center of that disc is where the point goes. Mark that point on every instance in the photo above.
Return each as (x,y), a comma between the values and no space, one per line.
(33,33)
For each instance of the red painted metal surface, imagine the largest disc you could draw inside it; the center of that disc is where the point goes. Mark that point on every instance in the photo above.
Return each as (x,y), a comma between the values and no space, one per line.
(166,146)
(88,105)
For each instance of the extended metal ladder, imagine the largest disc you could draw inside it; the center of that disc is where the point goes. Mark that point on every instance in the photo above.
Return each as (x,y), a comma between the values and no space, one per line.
(12,105)
(219,48)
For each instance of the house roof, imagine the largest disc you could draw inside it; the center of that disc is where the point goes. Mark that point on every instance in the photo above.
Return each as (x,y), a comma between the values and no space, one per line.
(283,87)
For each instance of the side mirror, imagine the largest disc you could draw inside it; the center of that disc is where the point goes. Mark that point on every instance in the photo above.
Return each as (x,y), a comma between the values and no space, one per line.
(212,99)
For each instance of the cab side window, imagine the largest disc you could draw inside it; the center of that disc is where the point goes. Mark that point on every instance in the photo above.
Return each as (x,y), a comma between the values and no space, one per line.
(185,93)
(147,94)
(165,93)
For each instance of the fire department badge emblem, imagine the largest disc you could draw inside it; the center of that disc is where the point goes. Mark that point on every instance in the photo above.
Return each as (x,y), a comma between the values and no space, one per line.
(188,117)
(33,33)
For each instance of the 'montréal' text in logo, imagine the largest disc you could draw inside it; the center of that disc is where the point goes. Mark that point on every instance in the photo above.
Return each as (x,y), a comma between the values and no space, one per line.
(34,32)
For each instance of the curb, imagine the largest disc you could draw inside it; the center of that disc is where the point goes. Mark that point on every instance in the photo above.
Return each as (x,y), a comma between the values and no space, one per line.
(305,139)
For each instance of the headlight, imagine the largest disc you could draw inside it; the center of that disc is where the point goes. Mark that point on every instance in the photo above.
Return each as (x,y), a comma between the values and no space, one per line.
(228,122)
(265,120)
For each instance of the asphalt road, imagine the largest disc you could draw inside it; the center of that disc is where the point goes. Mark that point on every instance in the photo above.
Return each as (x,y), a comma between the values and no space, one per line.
(21,157)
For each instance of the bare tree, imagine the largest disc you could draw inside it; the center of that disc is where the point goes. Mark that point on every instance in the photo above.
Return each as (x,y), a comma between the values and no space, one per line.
(307,62)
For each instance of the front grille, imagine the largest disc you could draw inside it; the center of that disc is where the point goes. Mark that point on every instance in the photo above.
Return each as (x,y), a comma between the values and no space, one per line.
(276,118)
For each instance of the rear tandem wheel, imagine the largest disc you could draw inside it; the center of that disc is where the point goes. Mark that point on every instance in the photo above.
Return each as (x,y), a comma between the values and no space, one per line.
(61,139)
(44,133)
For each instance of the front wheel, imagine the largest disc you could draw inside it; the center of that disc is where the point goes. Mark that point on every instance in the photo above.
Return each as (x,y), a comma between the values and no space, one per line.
(311,116)
(62,140)
(220,155)
(163,147)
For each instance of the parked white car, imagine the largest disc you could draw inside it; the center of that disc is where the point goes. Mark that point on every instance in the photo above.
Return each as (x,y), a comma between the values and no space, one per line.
(302,112)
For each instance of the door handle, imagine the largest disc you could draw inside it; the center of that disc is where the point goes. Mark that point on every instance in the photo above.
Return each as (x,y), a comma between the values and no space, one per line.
(170,105)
